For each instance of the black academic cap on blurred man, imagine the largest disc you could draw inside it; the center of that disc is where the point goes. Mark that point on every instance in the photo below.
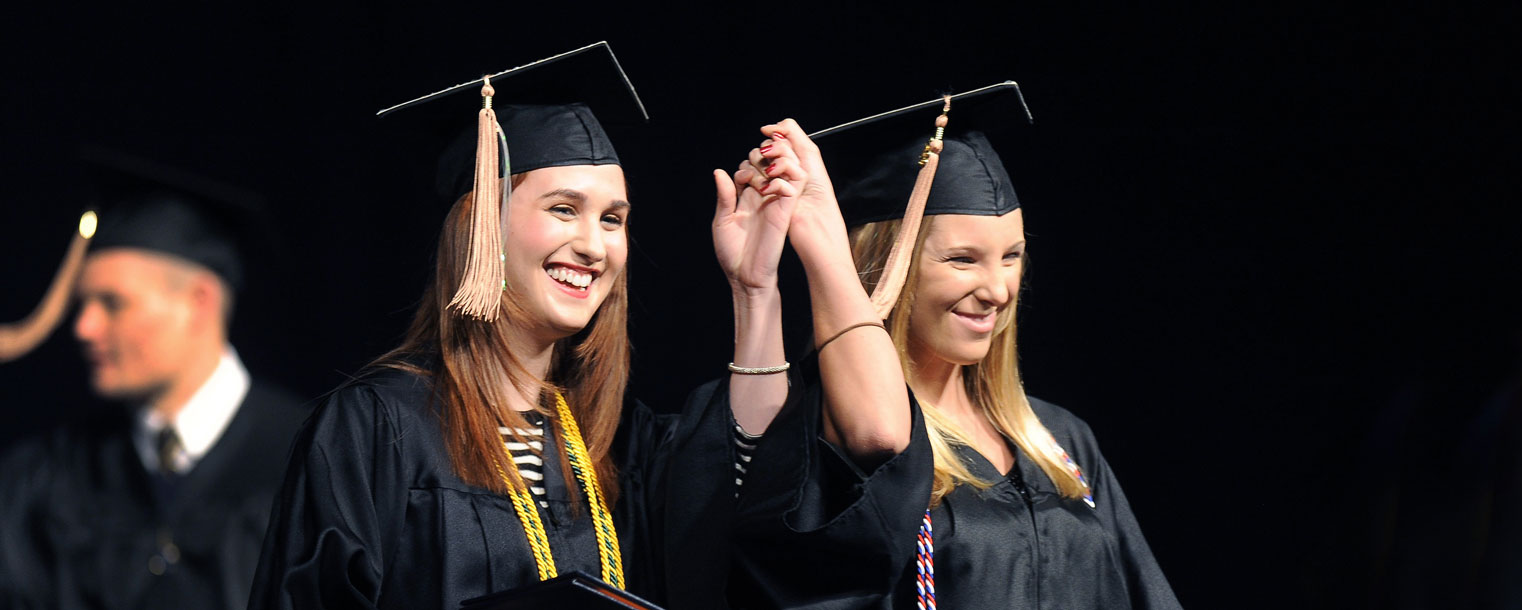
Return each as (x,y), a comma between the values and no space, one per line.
(141,204)
(148,205)
(874,161)
(534,116)
(927,158)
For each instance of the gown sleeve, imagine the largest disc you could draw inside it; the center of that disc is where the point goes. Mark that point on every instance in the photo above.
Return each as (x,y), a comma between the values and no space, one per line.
(679,488)
(1146,585)
(644,448)
(342,500)
(812,529)
(23,582)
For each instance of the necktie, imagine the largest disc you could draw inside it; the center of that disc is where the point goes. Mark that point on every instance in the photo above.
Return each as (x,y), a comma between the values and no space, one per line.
(169,448)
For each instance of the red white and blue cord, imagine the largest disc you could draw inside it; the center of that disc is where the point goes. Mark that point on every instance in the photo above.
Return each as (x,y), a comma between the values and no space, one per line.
(924,563)
(1088,493)
(924,555)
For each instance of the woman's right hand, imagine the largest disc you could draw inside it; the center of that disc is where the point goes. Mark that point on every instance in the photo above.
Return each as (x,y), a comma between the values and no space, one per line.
(789,166)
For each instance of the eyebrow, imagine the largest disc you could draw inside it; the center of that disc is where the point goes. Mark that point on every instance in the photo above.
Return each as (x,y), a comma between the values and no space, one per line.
(971,249)
(571,194)
(580,197)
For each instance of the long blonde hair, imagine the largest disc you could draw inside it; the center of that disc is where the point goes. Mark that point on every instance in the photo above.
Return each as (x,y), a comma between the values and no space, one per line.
(590,368)
(993,383)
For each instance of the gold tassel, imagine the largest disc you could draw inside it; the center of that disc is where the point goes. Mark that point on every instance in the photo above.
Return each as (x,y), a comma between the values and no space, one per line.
(480,291)
(896,268)
(20,338)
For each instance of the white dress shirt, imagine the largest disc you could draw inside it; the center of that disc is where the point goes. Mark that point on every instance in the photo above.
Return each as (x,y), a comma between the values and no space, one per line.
(201,422)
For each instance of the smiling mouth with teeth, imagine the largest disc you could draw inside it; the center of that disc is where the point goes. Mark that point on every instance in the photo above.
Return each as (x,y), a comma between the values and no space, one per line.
(981,323)
(575,279)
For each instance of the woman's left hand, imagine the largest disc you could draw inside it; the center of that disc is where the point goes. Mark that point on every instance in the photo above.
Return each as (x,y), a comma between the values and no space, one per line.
(749,230)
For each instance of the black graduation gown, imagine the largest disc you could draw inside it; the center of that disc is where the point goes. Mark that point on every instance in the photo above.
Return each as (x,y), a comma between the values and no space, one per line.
(85,525)
(372,515)
(815,531)
(810,529)
(1021,544)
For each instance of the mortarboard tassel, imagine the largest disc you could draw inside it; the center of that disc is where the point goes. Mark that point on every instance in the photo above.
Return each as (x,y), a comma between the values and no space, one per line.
(896,268)
(19,338)
(480,291)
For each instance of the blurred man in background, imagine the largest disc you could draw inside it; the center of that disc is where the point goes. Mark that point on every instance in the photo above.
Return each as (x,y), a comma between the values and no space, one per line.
(163,503)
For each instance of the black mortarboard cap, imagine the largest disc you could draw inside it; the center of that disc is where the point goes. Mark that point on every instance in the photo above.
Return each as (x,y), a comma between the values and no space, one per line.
(549,111)
(151,206)
(874,160)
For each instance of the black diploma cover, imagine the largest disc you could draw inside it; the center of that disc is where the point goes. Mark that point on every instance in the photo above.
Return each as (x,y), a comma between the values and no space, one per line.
(570,590)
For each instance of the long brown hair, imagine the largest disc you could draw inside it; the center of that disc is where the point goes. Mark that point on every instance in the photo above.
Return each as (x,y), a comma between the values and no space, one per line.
(992,383)
(473,371)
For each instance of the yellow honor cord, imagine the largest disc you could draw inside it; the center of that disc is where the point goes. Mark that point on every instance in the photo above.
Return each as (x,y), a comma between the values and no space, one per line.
(602,518)
(533,528)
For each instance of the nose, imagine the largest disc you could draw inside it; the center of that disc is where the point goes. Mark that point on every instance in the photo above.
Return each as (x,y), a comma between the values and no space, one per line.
(590,245)
(993,288)
(87,324)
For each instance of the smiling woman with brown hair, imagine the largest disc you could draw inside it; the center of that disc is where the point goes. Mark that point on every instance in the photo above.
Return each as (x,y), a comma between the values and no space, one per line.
(495,447)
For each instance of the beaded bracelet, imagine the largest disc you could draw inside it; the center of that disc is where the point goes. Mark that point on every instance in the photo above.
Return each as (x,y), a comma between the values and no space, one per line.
(759,370)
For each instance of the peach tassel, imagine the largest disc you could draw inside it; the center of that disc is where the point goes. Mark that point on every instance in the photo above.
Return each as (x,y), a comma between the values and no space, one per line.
(19,338)
(896,268)
(480,292)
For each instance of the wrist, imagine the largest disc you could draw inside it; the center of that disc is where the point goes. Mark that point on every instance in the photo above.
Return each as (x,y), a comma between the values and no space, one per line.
(823,249)
(831,270)
(757,316)
(753,297)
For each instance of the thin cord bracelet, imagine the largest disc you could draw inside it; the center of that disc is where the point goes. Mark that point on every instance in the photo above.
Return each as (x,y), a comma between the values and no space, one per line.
(759,370)
(849,329)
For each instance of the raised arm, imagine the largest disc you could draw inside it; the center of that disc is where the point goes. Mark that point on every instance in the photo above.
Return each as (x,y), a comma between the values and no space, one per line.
(866,409)
(748,233)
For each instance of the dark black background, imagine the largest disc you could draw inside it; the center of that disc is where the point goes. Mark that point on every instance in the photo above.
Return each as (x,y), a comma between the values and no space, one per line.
(1275,251)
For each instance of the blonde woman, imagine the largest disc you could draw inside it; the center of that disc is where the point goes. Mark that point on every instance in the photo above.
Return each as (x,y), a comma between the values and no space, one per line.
(1020,509)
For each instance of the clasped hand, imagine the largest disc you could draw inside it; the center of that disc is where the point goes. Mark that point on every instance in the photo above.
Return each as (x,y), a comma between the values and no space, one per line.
(781,191)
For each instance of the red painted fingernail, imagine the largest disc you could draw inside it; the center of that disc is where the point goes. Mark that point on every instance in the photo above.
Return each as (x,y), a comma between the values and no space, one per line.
(772,171)
(779,136)
(766,148)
